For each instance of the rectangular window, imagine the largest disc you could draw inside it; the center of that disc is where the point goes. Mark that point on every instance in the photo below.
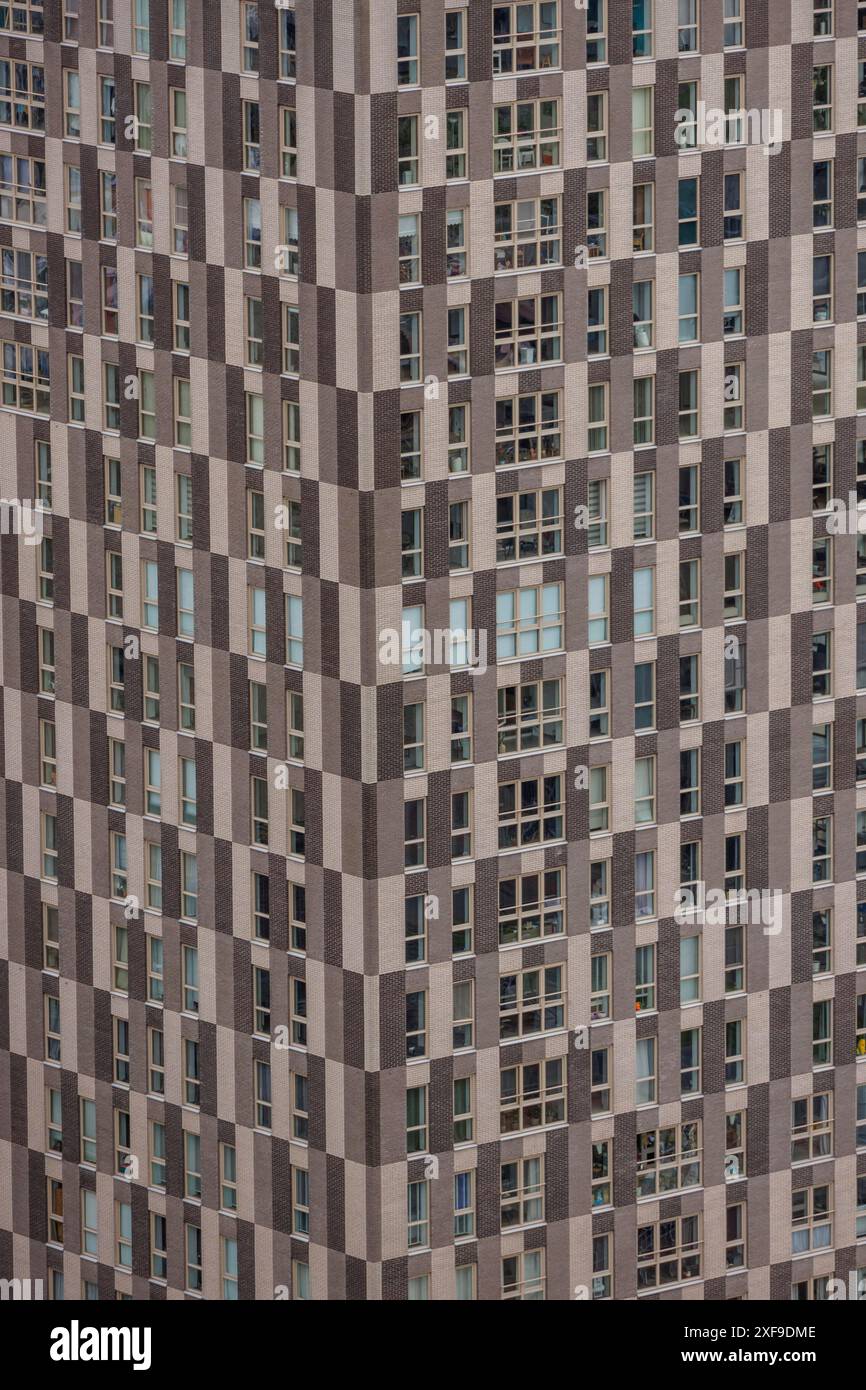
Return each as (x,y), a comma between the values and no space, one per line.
(822,98)
(408,64)
(531,1095)
(644,410)
(526,135)
(687,211)
(642,121)
(531,906)
(22,94)
(286,38)
(811,1219)
(822,193)
(455,45)
(408,158)
(596,224)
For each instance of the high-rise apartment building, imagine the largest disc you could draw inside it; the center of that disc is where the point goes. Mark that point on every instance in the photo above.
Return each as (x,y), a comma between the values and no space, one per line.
(416,422)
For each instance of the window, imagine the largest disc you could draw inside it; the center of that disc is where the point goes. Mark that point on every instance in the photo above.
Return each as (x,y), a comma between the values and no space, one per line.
(193,1265)
(822,665)
(528,621)
(812,1127)
(822,98)
(188,886)
(642,120)
(528,428)
(414,846)
(733,606)
(690,969)
(598,591)
(409,248)
(416,1023)
(531,1002)
(291,340)
(22,94)
(50,937)
(641,28)
(528,525)
(530,716)
(596,223)
(177,25)
(418,1214)
(22,188)
(642,313)
(25,378)
(733,23)
(689,331)
(144,213)
(531,906)
(531,1095)
(733,415)
(644,695)
(50,850)
(527,332)
(456,145)
(179,220)
(252,150)
(526,135)
(252,233)
(458,536)
(687,114)
(408,163)
(687,209)
(530,812)
(690,1061)
(644,884)
(156,1054)
(596,497)
(644,791)
(645,978)
(107,204)
(597,418)
(408,66)
(668,1252)
(301,1201)
(687,26)
(822,193)
(155,971)
(122,1074)
(26,17)
(455,45)
(644,410)
(811,1219)
(461,825)
(668,1159)
(734,115)
(258,703)
(521,1186)
(287,52)
(822,289)
(55,1211)
(525,37)
(410,347)
(643,602)
(600,1088)
(458,341)
(645,1071)
(253,337)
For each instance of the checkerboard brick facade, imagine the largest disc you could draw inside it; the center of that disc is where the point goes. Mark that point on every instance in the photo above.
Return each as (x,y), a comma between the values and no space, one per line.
(319,320)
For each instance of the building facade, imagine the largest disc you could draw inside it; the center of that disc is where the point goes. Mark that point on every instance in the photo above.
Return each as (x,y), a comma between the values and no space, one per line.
(416,421)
